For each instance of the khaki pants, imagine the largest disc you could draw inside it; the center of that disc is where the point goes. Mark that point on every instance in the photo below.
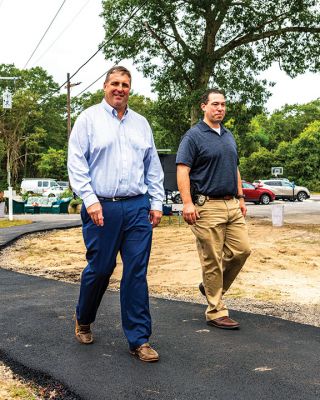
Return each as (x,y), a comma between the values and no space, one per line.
(223,247)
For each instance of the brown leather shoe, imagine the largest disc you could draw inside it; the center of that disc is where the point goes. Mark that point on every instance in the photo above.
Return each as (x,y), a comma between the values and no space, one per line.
(145,353)
(83,333)
(224,323)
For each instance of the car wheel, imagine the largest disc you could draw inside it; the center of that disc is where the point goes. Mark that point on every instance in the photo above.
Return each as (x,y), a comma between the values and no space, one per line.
(265,199)
(51,195)
(177,199)
(301,196)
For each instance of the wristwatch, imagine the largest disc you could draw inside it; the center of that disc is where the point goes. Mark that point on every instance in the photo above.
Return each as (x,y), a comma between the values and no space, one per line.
(240,196)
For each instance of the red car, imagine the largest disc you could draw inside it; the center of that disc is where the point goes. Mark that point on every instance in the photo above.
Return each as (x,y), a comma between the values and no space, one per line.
(257,194)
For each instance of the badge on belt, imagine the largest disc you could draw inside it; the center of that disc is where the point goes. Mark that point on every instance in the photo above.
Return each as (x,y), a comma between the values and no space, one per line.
(200,199)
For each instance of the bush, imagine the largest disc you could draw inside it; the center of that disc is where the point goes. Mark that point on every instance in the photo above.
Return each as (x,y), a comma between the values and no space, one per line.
(67,193)
(75,202)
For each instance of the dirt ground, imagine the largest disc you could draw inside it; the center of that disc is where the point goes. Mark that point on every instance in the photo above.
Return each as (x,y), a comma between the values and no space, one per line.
(281,277)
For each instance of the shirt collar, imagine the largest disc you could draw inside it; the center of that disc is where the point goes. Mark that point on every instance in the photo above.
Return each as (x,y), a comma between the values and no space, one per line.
(112,111)
(206,128)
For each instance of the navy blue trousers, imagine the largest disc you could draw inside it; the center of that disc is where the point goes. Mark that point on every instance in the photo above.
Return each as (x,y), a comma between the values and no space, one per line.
(126,229)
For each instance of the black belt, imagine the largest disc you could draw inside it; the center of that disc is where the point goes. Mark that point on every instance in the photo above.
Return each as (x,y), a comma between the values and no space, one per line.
(228,197)
(100,198)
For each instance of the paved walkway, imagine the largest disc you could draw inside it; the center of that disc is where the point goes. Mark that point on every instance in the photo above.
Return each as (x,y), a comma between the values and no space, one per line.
(268,358)
(40,223)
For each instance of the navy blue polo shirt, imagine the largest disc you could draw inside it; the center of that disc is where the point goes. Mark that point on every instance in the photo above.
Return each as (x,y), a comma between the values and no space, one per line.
(213,160)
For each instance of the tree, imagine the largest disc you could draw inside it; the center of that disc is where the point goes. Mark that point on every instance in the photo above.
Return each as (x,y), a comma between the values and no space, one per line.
(301,157)
(186,45)
(36,120)
(287,123)
(258,165)
(53,163)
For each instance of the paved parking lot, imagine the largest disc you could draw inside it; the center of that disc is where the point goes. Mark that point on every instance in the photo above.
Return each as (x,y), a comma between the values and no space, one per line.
(307,212)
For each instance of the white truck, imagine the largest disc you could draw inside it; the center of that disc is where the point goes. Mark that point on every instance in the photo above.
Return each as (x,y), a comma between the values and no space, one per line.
(39,186)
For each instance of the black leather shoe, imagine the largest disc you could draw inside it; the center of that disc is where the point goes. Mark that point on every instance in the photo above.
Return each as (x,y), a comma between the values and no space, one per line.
(201,288)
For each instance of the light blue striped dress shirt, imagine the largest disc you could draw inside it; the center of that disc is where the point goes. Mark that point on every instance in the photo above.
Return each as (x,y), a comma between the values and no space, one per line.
(109,157)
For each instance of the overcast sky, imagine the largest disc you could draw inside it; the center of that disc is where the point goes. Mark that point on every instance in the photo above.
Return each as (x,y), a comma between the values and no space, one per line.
(74,37)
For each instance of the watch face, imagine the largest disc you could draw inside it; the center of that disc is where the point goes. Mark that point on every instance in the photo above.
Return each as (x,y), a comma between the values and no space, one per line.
(200,200)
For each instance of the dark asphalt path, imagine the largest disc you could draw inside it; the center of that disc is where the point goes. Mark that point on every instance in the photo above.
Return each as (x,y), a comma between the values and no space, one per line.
(8,235)
(268,358)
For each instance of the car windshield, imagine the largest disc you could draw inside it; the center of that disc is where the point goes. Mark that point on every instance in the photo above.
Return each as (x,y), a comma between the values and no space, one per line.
(247,185)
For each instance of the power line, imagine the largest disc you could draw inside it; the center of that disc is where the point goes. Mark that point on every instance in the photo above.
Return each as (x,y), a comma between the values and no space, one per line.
(117,62)
(62,32)
(101,47)
(45,33)
(91,84)
(111,37)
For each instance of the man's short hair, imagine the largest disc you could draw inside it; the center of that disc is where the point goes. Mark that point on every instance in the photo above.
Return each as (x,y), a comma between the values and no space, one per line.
(205,97)
(120,69)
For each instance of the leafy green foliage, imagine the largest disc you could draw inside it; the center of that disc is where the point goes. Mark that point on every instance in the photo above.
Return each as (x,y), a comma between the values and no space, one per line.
(187,45)
(36,121)
(258,165)
(290,138)
(53,163)
(302,156)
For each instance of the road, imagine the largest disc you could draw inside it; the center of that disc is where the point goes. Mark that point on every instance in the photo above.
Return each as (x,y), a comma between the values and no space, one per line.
(307,212)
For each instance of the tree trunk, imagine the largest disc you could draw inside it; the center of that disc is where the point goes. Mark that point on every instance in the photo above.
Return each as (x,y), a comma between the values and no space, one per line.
(25,162)
(195,114)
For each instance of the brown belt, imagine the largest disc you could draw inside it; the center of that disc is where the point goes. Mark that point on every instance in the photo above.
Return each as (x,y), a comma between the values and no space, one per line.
(219,197)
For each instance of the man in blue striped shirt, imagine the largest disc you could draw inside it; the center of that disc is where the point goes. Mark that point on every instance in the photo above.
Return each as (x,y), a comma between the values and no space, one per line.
(114,167)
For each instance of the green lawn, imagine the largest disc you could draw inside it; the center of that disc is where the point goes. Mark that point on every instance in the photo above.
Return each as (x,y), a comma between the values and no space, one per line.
(5,223)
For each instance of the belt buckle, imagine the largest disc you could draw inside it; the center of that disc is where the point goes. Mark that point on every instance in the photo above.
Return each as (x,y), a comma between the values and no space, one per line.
(200,199)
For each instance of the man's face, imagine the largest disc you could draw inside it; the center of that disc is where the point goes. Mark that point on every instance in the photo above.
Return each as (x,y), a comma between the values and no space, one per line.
(215,109)
(116,90)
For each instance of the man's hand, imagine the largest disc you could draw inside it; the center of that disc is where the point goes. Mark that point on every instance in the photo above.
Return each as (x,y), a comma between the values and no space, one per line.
(243,207)
(190,213)
(155,217)
(95,212)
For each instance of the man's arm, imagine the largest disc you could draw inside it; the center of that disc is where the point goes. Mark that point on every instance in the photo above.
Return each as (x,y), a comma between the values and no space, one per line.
(190,213)
(243,207)
(78,169)
(154,179)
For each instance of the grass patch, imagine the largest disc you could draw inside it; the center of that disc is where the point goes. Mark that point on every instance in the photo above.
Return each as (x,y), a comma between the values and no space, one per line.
(22,393)
(6,223)
(172,220)
(236,293)
(272,295)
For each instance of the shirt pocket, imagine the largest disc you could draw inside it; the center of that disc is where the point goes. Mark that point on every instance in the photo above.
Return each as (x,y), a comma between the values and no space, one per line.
(139,145)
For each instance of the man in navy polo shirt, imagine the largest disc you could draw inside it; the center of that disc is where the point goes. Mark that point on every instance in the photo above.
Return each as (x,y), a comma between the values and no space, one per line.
(209,182)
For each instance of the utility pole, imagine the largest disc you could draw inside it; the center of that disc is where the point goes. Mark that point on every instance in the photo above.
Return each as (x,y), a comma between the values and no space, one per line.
(69,85)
